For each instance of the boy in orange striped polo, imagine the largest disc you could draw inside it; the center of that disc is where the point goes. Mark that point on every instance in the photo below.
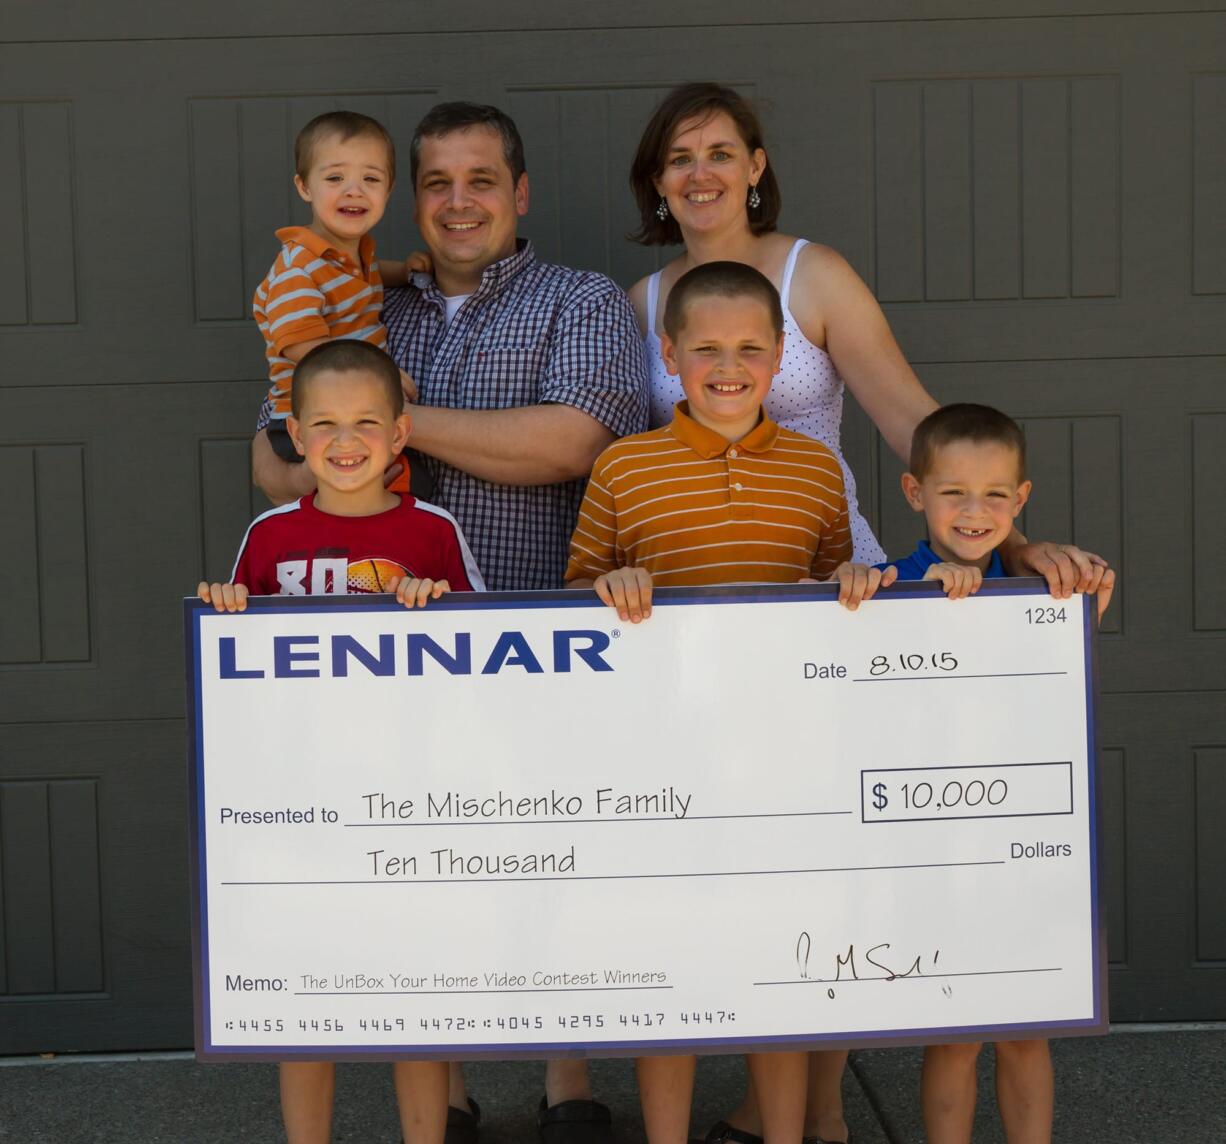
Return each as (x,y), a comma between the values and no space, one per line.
(721,495)
(326,282)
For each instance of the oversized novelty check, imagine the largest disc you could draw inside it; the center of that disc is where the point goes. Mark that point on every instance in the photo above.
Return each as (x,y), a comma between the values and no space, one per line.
(510,824)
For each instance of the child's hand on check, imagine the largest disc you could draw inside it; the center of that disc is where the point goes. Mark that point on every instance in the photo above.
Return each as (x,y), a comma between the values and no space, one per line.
(628,590)
(958,580)
(413,591)
(859,582)
(223,597)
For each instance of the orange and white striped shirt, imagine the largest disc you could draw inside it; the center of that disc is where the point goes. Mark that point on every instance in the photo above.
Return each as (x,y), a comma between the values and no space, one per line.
(315,291)
(693,508)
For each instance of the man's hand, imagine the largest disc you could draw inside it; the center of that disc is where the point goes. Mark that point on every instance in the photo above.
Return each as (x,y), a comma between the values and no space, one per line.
(394,470)
(280,481)
(628,590)
(958,580)
(408,387)
(859,582)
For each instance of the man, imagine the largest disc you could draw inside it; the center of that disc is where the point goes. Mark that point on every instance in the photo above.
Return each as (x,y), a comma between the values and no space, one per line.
(525,372)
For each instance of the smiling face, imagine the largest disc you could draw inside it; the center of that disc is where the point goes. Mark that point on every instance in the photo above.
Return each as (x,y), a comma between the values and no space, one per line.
(725,352)
(467,205)
(708,170)
(970,495)
(347,185)
(348,434)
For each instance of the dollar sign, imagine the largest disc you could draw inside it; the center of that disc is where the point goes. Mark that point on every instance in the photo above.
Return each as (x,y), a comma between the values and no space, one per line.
(880,801)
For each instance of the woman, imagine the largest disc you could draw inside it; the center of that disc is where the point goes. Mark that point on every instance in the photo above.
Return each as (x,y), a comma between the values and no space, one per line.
(701,179)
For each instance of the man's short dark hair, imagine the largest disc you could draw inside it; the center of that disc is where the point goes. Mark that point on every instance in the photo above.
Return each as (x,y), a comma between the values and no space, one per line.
(695,101)
(720,280)
(342,355)
(347,125)
(964,421)
(444,118)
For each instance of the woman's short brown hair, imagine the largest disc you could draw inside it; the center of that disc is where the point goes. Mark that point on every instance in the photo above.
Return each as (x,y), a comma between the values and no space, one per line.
(694,101)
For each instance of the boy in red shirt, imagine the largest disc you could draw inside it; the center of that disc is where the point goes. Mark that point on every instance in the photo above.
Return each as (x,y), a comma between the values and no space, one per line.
(351,535)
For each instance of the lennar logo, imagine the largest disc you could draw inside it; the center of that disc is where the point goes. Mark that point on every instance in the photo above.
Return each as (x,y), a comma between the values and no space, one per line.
(309,657)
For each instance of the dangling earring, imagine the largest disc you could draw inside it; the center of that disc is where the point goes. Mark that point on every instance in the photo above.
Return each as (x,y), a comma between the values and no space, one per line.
(755,199)
(662,209)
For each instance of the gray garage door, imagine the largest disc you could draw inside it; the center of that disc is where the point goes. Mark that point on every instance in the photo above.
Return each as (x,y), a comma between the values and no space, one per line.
(1040,202)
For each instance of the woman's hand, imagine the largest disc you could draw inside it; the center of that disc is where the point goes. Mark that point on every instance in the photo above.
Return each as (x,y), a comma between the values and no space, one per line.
(1065,567)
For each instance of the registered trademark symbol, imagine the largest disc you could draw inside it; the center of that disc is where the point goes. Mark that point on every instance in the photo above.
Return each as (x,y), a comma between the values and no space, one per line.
(616,633)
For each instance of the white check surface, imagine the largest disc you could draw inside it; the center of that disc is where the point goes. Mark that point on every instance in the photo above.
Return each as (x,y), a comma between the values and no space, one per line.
(771,820)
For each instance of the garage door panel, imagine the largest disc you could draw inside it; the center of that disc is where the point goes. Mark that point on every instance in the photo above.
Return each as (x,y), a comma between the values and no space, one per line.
(1208,463)
(93,841)
(123,522)
(1174,764)
(1209,184)
(38,216)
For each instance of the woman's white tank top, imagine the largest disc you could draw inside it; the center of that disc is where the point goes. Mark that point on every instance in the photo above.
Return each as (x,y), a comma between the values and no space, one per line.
(806,396)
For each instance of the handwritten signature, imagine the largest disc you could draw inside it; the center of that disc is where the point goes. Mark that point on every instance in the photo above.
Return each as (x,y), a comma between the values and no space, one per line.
(859,966)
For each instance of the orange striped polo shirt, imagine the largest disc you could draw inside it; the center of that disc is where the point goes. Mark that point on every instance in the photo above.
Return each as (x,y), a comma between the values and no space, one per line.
(693,508)
(315,291)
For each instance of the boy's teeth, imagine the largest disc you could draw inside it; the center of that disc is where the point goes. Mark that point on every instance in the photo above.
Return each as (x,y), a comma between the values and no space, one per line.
(727,388)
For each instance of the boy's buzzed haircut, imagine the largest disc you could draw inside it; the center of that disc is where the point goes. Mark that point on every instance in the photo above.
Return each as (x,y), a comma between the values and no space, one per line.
(345,356)
(444,118)
(346,125)
(964,421)
(720,280)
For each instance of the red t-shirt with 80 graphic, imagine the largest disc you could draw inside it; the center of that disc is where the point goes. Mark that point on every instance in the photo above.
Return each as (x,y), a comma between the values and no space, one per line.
(296,550)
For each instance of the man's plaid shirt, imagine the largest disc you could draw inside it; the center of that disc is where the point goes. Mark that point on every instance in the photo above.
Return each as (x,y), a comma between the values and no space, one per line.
(530,334)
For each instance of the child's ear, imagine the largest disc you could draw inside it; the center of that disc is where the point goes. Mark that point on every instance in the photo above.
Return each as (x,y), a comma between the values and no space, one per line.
(668,352)
(1022,496)
(301,188)
(404,426)
(912,490)
(778,356)
(294,429)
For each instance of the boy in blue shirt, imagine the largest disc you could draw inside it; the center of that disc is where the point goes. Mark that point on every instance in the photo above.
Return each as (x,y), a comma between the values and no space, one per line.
(968,477)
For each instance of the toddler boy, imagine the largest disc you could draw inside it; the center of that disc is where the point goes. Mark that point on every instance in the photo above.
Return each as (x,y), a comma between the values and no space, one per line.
(722,495)
(325,283)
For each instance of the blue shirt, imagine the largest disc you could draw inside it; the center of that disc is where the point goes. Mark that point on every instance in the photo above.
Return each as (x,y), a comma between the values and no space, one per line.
(914,566)
(531,333)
